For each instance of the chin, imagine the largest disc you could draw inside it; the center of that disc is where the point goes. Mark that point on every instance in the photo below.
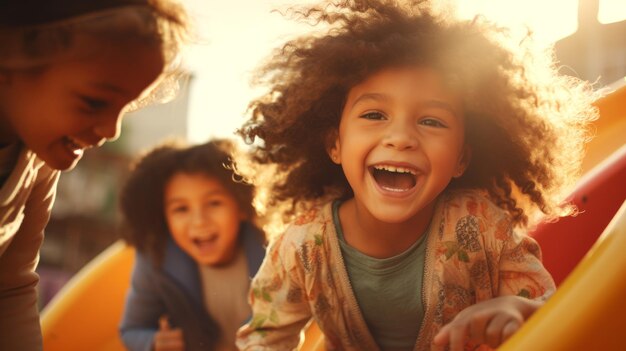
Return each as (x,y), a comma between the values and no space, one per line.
(61,164)
(206,261)
(212,261)
(68,167)
(391,215)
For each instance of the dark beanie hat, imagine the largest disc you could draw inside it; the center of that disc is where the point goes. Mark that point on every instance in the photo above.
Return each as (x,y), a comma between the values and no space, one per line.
(21,13)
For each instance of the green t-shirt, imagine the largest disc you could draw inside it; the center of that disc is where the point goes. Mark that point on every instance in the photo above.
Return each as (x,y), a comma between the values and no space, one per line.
(388,290)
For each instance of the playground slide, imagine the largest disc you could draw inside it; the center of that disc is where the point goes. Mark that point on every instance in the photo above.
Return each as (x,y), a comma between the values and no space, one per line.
(587,311)
(598,196)
(85,313)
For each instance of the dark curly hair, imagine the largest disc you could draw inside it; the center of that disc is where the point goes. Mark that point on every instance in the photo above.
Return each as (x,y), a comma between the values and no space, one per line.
(141,198)
(525,124)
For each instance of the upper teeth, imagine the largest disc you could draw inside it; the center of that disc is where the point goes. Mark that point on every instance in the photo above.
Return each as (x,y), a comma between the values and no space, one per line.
(395,169)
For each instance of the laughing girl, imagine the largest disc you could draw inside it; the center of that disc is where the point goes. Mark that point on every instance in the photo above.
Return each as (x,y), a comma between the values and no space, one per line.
(411,149)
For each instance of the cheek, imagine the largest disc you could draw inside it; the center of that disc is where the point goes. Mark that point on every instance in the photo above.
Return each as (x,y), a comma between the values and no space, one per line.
(231,225)
(177,227)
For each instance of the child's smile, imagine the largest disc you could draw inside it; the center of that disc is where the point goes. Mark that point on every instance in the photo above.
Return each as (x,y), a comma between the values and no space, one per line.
(206,245)
(395,178)
(400,142)
(76,147)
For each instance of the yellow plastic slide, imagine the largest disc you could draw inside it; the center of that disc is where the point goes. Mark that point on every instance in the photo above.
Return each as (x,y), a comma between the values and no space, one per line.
(587,313)
(85,314)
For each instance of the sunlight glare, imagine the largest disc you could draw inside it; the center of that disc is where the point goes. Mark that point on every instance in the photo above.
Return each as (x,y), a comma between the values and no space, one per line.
(611,11)
(236,35)
(549,20)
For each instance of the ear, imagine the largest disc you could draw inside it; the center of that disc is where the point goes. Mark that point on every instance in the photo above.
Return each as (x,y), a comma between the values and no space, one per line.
(464,161)
(332,147)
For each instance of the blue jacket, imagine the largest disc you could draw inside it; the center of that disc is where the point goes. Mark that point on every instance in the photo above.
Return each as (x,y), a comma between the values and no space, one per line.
(175,289)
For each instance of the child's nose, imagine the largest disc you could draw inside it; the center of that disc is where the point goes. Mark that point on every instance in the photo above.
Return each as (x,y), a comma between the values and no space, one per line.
(200,218)
(109,127)
(401,137)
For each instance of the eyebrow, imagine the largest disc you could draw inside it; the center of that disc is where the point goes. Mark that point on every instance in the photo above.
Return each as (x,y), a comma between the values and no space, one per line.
(370,96)
(428,103)
(441,105)
(109,87)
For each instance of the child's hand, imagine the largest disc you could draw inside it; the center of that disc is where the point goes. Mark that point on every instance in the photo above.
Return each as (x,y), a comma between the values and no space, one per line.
(168,339)
(489,322)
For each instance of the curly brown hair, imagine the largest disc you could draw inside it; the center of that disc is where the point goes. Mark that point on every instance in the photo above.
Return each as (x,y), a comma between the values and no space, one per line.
(525,124)
(141,199)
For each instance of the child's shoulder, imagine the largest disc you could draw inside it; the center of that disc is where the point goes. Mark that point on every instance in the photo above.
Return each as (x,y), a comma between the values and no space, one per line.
(458,204)
(309,226)
(467,215)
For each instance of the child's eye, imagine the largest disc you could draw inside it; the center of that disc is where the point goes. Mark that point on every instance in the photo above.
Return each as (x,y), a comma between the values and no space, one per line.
(93,104)
(373,115)
(178,209)
(432,122)
(214,203)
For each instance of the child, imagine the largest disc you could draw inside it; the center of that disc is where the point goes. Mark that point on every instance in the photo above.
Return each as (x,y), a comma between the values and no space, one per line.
(67,71)
(197,249)
(413,149)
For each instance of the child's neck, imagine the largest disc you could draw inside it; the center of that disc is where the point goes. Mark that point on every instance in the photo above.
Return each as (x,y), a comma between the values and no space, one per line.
(379,239)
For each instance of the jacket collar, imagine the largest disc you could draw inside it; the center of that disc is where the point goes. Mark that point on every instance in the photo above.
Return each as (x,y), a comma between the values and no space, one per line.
(184,270)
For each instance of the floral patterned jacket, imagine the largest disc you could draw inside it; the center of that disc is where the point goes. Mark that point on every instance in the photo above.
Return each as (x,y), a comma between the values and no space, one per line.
(473,254)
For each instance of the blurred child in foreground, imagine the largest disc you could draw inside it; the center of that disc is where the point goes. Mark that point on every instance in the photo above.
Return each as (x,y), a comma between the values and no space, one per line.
(69,69)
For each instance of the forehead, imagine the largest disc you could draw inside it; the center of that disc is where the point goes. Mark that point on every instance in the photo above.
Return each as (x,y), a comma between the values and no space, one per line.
(200,182)
(127,69)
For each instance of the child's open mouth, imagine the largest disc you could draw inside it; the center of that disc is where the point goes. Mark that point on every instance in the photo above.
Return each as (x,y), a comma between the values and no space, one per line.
(393,178)
(205,243)
(73,146)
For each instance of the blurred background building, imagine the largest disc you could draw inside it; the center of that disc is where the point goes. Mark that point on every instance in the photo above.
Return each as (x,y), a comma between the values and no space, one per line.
(237,35)
(596,51)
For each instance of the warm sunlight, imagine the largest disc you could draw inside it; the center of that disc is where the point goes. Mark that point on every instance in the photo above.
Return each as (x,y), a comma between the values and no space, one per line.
(238,34)
(549,20)
(611,11)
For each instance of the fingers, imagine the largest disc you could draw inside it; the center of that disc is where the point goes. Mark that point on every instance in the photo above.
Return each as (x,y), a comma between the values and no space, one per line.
(501,328)
(164,323)
(490,322)
(453,334)
(458,336)
(477,327)
(443,337)
(168,338)
(509,329)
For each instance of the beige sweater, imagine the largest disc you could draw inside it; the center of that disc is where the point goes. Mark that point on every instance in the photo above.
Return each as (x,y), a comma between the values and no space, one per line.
(26,200)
